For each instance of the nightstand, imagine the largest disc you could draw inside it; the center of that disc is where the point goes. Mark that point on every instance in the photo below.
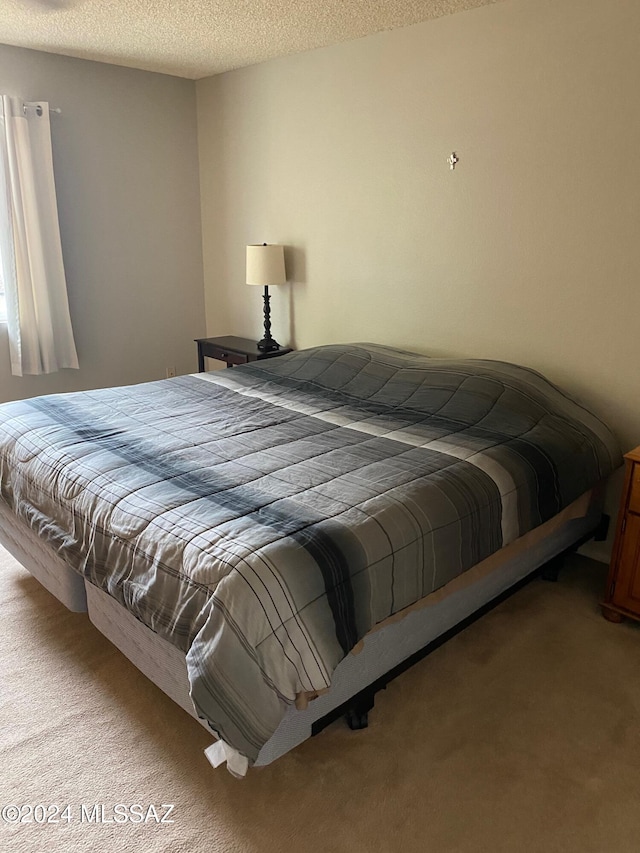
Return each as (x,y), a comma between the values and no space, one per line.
(622,595)
(233,350)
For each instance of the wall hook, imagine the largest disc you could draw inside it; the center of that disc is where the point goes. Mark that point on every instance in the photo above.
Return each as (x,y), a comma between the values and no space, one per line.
(452,159)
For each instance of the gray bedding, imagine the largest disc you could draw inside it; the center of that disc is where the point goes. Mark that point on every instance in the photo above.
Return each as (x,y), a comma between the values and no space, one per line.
(264,519)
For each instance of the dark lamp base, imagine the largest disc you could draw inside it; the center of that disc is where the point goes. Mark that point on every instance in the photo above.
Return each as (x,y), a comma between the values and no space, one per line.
(268,345)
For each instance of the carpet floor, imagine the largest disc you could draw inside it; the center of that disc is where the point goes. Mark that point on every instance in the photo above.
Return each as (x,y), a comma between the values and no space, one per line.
(520,734)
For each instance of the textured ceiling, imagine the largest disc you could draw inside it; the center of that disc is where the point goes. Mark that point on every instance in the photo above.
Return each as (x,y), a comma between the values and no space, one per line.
(195,38)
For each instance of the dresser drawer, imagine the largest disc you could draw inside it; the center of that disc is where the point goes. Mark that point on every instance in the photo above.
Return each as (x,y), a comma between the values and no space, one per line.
(634,494)
(222,354)
(622,595)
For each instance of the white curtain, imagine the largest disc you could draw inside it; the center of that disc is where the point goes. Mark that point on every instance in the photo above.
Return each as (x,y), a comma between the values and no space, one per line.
(38,320)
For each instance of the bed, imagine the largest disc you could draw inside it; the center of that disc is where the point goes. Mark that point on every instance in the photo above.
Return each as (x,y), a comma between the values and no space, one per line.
(267,542)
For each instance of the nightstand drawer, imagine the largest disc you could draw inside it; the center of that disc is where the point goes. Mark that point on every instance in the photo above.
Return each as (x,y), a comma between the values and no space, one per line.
(634,495)
(222,354)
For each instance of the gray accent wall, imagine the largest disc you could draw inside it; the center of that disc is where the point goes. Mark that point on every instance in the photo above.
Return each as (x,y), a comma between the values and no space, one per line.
(126,168)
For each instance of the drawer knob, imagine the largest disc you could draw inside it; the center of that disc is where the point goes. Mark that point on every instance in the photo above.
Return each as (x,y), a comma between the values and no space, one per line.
(224,354)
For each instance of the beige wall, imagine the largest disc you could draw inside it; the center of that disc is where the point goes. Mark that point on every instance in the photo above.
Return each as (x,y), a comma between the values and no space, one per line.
(527,252)
(126,167)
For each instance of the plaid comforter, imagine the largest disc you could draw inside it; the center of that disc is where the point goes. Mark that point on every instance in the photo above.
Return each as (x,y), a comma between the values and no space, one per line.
(263,519)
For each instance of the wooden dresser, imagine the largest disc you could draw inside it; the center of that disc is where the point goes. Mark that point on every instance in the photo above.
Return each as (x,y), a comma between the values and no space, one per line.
(622,594)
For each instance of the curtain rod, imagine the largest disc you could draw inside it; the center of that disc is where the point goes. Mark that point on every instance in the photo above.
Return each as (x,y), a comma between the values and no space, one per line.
(38,108)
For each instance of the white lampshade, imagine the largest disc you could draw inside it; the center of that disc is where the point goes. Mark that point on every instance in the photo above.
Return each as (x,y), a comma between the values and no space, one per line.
(265,265)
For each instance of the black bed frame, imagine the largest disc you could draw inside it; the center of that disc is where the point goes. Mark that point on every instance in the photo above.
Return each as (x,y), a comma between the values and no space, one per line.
(356,709)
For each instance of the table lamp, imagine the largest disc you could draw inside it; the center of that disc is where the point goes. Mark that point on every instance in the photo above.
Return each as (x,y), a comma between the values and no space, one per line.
(265,266)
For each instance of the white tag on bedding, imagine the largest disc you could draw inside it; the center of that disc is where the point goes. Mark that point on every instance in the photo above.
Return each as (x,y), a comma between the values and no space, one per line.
(219,752)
